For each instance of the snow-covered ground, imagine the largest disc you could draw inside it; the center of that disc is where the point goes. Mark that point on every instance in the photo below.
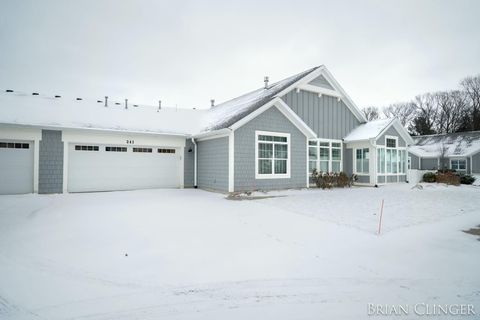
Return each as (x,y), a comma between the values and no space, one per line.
(191,254)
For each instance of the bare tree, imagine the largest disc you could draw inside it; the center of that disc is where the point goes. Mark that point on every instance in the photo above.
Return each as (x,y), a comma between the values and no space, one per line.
(442,150)
(425,116)
(471,86)
(404,111)
(371,113)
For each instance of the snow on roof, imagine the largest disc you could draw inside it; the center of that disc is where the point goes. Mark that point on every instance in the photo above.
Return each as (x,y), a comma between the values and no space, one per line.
(368,130)
(455,144)
(27,109)
(229,112)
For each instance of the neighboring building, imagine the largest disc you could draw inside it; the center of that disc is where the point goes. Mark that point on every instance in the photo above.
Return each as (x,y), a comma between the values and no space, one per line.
(271,138)
(459,151)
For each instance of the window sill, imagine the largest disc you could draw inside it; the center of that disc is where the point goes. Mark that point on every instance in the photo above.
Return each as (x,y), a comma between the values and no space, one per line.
(272,176)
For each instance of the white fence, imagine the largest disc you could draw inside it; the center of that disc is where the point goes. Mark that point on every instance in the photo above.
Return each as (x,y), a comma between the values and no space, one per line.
(415,176)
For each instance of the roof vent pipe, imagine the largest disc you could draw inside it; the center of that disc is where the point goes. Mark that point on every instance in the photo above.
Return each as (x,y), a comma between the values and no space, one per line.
(126,103)
(159,105)
(212,103)
(106,101)
(266,82)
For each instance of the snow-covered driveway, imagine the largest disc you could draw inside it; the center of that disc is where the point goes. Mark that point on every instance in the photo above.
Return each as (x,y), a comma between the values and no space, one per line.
(191,254)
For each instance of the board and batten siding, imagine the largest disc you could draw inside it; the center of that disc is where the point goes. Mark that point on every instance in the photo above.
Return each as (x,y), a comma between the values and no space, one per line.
(50,170)
(212,164)
(325,115)
(244,168)
(189,164)
(391,132)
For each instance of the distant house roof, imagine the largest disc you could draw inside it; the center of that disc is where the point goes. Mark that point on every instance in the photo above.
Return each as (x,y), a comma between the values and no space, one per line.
(454,144)
(48,111)
(374,129)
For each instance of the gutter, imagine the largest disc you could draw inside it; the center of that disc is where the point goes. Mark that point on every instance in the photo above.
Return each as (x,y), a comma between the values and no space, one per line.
(194,163)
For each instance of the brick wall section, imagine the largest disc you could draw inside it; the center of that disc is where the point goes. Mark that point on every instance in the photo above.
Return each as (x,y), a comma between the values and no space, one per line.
(50,173)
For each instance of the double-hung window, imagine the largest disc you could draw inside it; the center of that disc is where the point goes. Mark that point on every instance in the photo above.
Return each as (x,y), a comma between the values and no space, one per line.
(362,160)
(458,164)
(272,155)
(325,156)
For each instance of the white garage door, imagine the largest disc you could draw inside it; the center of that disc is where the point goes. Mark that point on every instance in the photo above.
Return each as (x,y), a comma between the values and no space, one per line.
(109,168)
(16,167)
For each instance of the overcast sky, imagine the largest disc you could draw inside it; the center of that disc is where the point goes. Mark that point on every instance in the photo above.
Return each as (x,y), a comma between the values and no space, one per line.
(186,52)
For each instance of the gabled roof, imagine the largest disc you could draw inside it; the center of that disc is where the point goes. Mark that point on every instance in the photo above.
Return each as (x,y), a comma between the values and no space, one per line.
(372,130)
(461,144)
(47,111)
(228,113)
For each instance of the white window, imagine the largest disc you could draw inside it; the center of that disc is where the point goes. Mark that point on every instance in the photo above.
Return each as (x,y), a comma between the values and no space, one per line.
(362,160)
(381,160)
(272,155)
(458,165)
(325,155)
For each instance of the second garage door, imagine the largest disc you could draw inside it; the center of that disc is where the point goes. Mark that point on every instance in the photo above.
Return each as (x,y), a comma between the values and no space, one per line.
(110,168)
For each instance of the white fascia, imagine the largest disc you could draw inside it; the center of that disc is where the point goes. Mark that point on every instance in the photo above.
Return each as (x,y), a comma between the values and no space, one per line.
(338,92)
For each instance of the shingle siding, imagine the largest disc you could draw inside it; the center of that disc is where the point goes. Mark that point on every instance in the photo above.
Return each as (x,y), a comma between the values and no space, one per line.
(50,170)
(429,164)
(476,163)
(213,164)
(188,166)
(414,163)
(328,117)
(391,132)
(244,168)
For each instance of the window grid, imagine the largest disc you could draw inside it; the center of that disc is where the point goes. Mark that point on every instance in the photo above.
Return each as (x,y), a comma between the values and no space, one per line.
(325,156)
(116,149)
(272,155)
(14,145)
(86,148)
(142,150)
(166,150)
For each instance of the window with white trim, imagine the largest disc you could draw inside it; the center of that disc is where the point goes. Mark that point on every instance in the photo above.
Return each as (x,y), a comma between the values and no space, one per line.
(458,164)
(272,155)
(325,156)
(362,162)
(392,159)
(381,160)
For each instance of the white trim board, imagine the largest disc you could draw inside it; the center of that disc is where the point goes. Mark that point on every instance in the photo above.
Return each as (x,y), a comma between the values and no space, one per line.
(285,110)
(323,71)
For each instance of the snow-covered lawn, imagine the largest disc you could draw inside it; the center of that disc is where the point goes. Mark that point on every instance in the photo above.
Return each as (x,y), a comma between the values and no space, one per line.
(191,254)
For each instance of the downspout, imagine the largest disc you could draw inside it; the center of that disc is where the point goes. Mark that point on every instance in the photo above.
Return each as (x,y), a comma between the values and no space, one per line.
(194,163)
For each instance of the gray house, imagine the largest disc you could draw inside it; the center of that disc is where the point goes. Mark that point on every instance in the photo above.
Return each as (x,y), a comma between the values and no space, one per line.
(458,151)
(270,138)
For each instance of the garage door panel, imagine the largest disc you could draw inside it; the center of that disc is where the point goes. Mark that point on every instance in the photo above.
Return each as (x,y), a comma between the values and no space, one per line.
(16,170)
(105,171)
